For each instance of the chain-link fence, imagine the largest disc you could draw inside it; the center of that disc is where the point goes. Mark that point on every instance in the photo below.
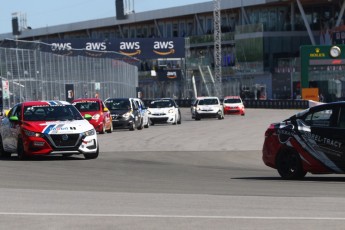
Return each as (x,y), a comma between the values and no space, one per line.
(28,73)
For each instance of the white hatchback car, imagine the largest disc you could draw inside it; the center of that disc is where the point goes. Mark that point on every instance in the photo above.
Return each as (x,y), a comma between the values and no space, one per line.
(164,110)
(207,107)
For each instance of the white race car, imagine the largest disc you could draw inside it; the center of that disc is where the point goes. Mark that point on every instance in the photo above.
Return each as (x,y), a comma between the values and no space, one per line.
(164,110)
(207,107)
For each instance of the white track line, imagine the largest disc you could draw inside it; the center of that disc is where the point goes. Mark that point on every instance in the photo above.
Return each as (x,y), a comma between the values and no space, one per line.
(172,216)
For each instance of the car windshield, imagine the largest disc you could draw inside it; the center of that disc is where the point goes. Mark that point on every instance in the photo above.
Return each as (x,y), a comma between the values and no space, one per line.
(210,101)
(161,104)
(87,106)
(51,113)
(232,100)
(118,104)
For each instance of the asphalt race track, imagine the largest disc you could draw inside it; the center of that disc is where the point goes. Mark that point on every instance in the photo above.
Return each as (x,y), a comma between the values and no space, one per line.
(205,174)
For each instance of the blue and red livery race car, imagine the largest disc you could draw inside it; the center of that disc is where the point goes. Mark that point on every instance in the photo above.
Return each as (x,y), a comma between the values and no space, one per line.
(311,141)
(47,128)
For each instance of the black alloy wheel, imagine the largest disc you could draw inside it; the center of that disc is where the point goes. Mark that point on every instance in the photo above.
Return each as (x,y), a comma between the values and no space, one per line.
(289,165)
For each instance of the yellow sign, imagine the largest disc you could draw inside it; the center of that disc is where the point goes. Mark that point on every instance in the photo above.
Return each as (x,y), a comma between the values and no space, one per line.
(310,94)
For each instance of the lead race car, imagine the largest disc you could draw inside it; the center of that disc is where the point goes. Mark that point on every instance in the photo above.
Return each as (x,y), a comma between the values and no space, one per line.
(310,141)
(47,128)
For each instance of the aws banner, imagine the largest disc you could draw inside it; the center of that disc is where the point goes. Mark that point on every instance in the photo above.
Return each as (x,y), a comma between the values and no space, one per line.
(141,48)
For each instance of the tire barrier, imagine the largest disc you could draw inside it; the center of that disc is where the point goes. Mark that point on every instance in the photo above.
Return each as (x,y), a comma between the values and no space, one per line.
(262,104)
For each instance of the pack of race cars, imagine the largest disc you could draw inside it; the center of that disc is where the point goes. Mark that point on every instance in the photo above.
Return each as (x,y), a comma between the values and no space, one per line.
(46,128)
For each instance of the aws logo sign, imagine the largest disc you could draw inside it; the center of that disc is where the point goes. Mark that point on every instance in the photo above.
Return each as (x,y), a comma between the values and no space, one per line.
(130,48)
(61,46)
(96,46)
(163,48)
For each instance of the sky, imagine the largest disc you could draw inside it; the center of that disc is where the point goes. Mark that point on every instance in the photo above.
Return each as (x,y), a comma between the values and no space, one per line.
(43,13)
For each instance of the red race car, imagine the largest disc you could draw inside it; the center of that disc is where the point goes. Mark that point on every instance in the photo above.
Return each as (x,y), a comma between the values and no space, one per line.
(101,118)
(310,141)
(233,105)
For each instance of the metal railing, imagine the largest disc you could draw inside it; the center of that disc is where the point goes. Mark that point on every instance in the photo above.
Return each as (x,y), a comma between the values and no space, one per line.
(28,73)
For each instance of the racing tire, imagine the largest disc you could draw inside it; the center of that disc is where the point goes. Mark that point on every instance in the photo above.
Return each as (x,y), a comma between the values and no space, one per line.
(111,128)
(103,129)
(3,153)
(91,156)
(220,116)
(132,127)
(20,150)
(148,124)
(141,126)
(175,122)
(289,165)
(179,121)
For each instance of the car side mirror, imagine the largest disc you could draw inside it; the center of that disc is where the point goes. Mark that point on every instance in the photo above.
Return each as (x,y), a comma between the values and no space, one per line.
(88,117)
(14,118)
(105,109)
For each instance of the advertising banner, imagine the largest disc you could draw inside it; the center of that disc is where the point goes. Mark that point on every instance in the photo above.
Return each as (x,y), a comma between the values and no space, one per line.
(141,48)
(169,75)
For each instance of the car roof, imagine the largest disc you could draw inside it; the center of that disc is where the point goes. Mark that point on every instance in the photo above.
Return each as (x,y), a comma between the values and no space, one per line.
(232,97)
(45,103)
(200,98)
(163,99)
(86,99)
(119,98)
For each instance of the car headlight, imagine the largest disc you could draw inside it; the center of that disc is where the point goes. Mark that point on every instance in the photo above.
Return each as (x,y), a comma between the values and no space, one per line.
(171,111)
(32,134)
(96,116)
(149,112)
(90,132)
(198,108)
(127,115)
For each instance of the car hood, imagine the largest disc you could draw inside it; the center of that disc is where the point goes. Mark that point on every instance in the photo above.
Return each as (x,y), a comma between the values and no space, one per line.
(119,111)
(233,104)
(90,113)
(155,110)
(58,127)
(208,106)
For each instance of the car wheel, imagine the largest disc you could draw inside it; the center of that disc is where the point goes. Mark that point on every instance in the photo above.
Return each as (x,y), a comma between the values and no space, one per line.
(20,150)
(175,122)
(289,165)
(141,126)
(179,118)
(132,127)
(103,129)
(111,129)
(147,124)
(3,153)
(220,115)
(90,156)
